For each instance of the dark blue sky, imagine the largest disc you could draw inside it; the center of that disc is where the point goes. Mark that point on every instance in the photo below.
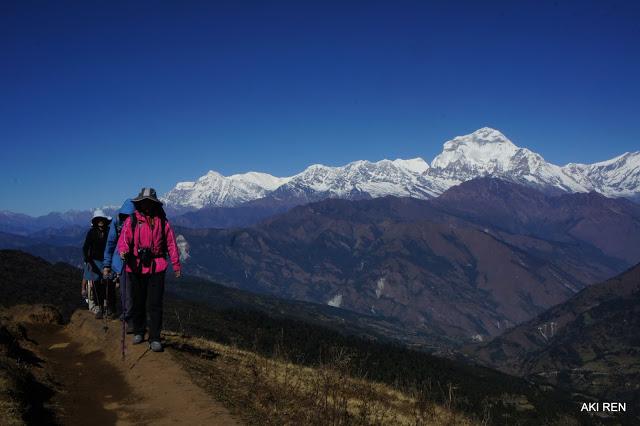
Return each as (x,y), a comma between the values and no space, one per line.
(98,98)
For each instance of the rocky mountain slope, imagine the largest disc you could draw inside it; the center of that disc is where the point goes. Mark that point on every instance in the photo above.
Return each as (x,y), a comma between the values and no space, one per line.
(429,264)
(610,225)
(590,343)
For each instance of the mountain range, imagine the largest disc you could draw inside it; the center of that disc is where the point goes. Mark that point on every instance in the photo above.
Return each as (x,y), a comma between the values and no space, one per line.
(484,256)
(220,201)
(485,152)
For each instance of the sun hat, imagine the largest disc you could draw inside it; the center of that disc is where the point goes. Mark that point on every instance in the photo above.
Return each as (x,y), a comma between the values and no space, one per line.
(147,194)
(99,214)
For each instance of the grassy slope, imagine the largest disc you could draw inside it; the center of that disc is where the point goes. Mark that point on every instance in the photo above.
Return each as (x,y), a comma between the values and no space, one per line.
(479,392)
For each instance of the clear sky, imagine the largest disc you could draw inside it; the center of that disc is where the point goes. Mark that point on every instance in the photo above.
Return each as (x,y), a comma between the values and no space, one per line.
(98,98)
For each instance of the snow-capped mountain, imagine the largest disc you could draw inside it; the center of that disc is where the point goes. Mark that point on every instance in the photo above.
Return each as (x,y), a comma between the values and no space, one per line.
(618,177)
(359,179)
(355,180)
(213,189)
(485,152)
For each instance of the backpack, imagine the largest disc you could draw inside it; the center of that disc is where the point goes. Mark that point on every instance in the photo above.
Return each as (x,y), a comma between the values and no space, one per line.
(163,244)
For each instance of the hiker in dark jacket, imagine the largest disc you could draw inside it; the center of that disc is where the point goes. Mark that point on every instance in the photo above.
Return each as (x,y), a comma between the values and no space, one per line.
(113,266)
(93,252)
(145,242)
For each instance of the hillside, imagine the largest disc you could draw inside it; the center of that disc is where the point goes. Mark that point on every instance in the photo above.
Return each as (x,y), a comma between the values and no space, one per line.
(217,297)
(26,279)
(429,264)
(591,343)
(610,225)
(253,349)
(437,273)
(50,250)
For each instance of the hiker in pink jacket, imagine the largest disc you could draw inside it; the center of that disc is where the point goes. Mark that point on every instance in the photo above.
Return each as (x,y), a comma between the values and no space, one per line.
(145,241)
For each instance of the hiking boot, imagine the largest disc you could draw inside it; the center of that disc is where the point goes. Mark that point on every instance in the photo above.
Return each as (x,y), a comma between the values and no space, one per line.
(156,346)
(99,314)
(109,314)
(138,338)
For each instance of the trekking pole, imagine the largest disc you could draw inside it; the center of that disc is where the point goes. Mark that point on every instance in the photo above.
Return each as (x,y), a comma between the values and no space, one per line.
(103,283)
(85,286)
(105,304)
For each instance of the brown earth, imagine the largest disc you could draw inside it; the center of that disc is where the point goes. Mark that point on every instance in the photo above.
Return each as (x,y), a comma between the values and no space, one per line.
(96,385)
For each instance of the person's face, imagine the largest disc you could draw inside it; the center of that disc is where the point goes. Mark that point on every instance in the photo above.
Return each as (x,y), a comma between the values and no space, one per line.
(101,223)
(146,206)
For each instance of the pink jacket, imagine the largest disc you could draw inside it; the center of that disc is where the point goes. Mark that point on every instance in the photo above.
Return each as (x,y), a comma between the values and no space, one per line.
(149,236)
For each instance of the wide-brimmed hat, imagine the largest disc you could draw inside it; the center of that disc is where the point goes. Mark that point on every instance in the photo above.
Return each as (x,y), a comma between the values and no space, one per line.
(147,194)
(99,214)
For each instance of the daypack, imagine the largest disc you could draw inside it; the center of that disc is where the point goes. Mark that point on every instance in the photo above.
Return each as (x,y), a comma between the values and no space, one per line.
(120,224)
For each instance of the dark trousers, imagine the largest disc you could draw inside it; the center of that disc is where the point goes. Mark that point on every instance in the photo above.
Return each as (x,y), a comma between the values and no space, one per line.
(105,291)
(143,287)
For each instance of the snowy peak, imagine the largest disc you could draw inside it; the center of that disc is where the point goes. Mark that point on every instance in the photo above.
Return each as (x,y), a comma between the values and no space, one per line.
(617,177)
(355,180)
(488,152)
(485,136)
(214,189)
(485,152)
(359,178)
(262,180)
(415,165)
(628,160)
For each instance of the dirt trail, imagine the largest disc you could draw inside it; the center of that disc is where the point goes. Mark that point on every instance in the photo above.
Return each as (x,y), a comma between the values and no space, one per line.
(98,388)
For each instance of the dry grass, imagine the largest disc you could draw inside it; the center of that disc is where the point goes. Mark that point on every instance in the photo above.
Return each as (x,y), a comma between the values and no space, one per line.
(10,407)
(274,391)
(22,395)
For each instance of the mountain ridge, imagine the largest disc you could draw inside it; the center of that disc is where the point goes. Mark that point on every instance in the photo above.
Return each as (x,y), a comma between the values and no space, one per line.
(427,262)
(485,152)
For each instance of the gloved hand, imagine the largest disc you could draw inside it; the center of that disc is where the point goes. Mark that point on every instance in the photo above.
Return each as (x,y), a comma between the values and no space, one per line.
(106,272)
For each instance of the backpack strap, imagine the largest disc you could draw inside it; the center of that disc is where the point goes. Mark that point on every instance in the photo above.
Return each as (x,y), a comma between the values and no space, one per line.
(134,223)
(118,226)
(163,245)
(132,257)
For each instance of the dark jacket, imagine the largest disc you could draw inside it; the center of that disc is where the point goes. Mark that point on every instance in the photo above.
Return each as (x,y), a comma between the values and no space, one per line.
(94,244)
